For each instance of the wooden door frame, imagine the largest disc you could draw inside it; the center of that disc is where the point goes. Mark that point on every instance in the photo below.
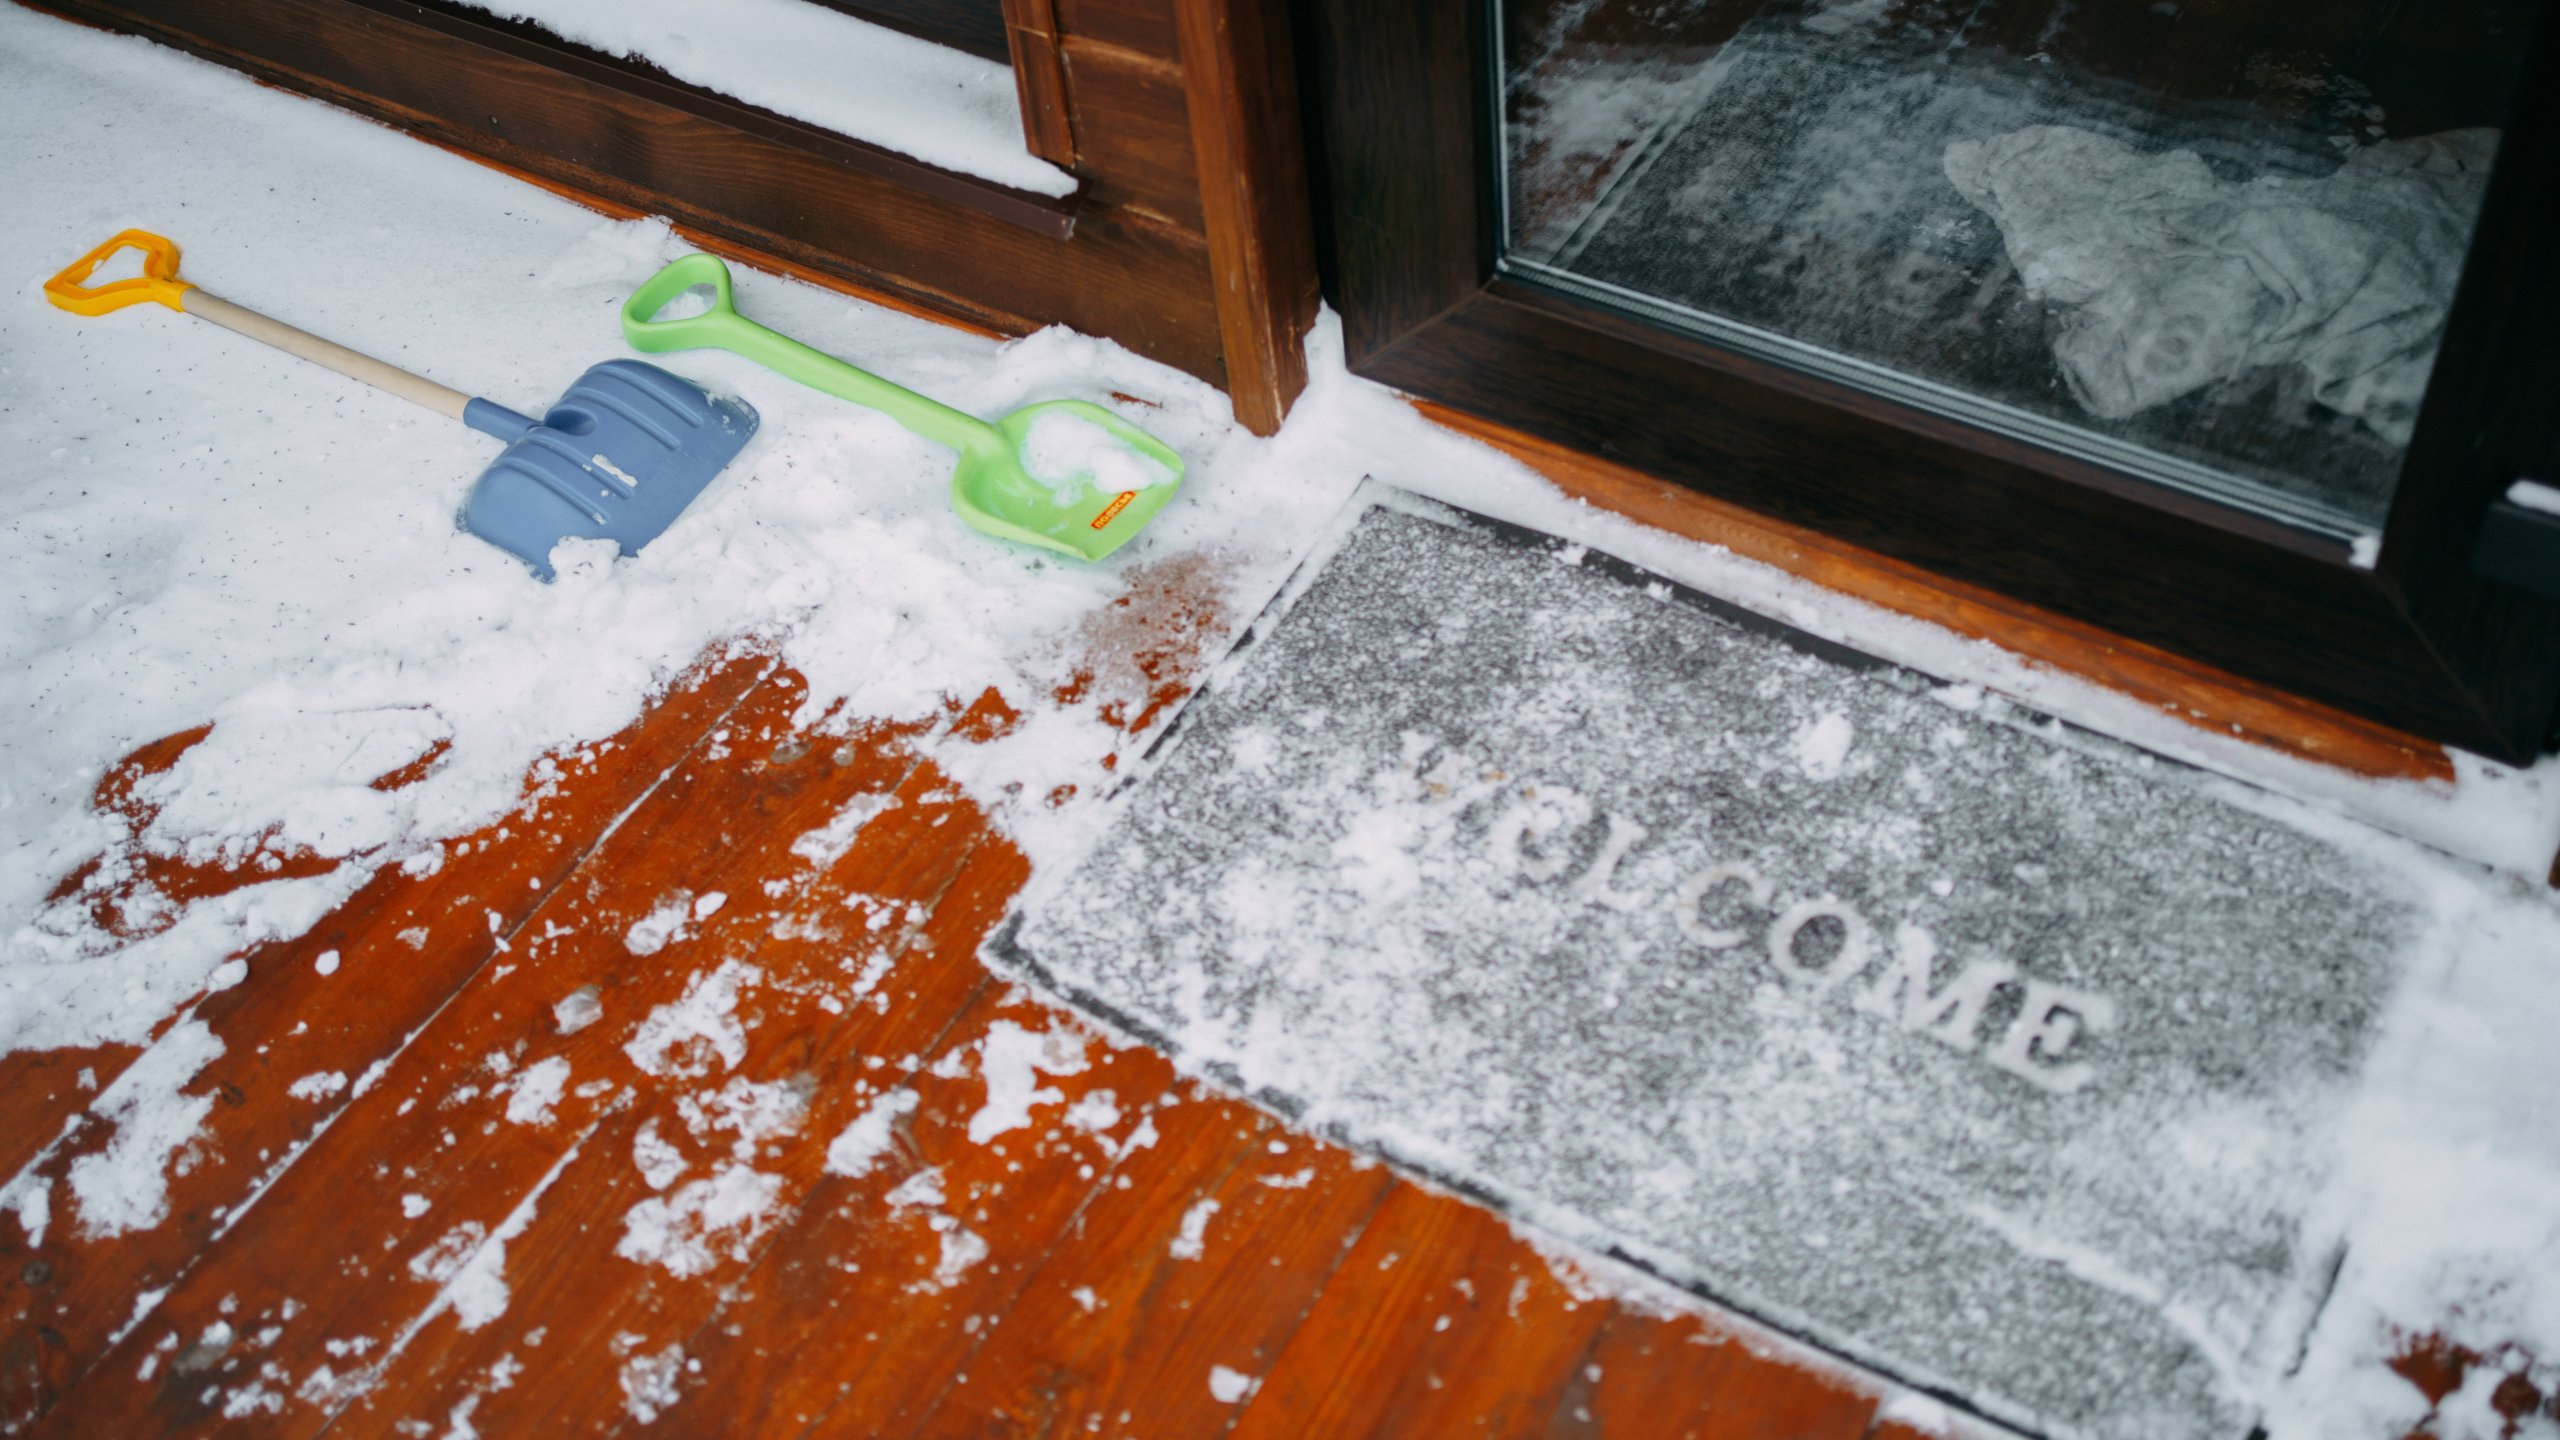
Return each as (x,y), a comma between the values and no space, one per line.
(1402,128)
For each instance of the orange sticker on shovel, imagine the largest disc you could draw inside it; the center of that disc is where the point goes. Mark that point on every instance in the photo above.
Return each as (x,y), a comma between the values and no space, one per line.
(1118,503)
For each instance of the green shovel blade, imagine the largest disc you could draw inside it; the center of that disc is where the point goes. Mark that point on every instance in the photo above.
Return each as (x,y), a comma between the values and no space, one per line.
(995,492)
(991,488)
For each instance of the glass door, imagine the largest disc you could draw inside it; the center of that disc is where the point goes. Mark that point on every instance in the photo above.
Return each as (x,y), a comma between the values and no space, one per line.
(2212,244)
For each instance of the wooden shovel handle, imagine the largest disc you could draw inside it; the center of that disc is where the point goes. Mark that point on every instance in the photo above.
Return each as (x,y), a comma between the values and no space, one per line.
(353,364)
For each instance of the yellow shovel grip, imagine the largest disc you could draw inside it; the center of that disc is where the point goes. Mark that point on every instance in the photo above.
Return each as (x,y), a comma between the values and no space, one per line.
(158,281)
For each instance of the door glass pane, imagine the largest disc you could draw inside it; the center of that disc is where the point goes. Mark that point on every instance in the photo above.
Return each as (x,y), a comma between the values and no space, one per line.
(2211,242)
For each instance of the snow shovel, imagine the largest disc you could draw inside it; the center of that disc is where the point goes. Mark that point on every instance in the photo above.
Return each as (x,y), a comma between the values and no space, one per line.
(1027,477)
(618,456)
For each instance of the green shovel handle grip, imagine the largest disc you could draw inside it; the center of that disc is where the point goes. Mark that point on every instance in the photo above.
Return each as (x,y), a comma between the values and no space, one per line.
(722,327)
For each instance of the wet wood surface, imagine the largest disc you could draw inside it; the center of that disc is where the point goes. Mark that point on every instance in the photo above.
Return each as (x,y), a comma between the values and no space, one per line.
(564,1134)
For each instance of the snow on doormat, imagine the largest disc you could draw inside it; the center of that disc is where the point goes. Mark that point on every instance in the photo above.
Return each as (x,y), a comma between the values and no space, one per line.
(1996,1056)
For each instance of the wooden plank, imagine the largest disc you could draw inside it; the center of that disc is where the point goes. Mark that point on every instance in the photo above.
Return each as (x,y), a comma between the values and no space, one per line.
(1133,134)
(812,1054)
(731,250)
(1440,1322)
(639,80)
(1240,82)
(872,1302)
(1685,1378)
(403,945)
(1040,80)
(2189,690)
(1125,274)
(1126,1324)
(1146,26)
(280,1283)
(42,1090)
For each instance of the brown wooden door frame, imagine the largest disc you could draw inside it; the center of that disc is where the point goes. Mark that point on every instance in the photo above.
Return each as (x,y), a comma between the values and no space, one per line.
(1402,128)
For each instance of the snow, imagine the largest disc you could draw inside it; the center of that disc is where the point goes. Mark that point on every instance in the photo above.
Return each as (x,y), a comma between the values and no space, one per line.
(861,1143)
(649,1380)
(319,1085)
(684,1036)
(1011,1058)
(125,1186)
(1191,1242)
(204,531)
(1915,1412)
(657,1159)
(702,1222)
(961,1248)
(468,1264)
(30,1196)
(689,1230)
(1822,748)
(1231,1387)
(2534,495)
(826,844)
(752,1111)
(943,106)
(577,1010)
(669,921)
(533,1092)
(1068,452)
(1095,1112)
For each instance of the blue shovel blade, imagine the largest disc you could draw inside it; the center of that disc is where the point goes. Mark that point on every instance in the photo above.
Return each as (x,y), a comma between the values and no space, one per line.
(617,458)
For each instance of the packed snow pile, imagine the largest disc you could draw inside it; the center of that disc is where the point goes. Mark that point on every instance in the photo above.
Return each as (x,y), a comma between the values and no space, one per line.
(202,532)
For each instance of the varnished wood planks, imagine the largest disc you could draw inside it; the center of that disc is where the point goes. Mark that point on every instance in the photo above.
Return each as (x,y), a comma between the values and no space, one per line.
(398,951)
(594,1290)
(1441,1322)
(1685,1379)
(1207,1261)
(406,950)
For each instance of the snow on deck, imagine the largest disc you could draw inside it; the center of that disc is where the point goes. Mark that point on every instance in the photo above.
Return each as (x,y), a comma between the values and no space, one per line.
(198,530)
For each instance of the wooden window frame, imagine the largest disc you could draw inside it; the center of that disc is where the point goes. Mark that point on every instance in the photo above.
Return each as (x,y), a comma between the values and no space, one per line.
(1402,131)
(1183,242)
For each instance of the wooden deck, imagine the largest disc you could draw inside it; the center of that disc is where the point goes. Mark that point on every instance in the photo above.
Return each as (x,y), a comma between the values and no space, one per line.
(1144,1258)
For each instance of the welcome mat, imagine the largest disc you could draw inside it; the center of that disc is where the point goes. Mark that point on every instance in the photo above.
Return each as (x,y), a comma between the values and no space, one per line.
(2000,1058)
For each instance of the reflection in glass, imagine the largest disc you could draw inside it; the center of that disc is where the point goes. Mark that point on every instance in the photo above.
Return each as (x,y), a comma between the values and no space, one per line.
(2212,242)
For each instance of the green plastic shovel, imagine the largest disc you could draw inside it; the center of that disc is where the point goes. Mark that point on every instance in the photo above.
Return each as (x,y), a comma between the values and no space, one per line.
(1078,512)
